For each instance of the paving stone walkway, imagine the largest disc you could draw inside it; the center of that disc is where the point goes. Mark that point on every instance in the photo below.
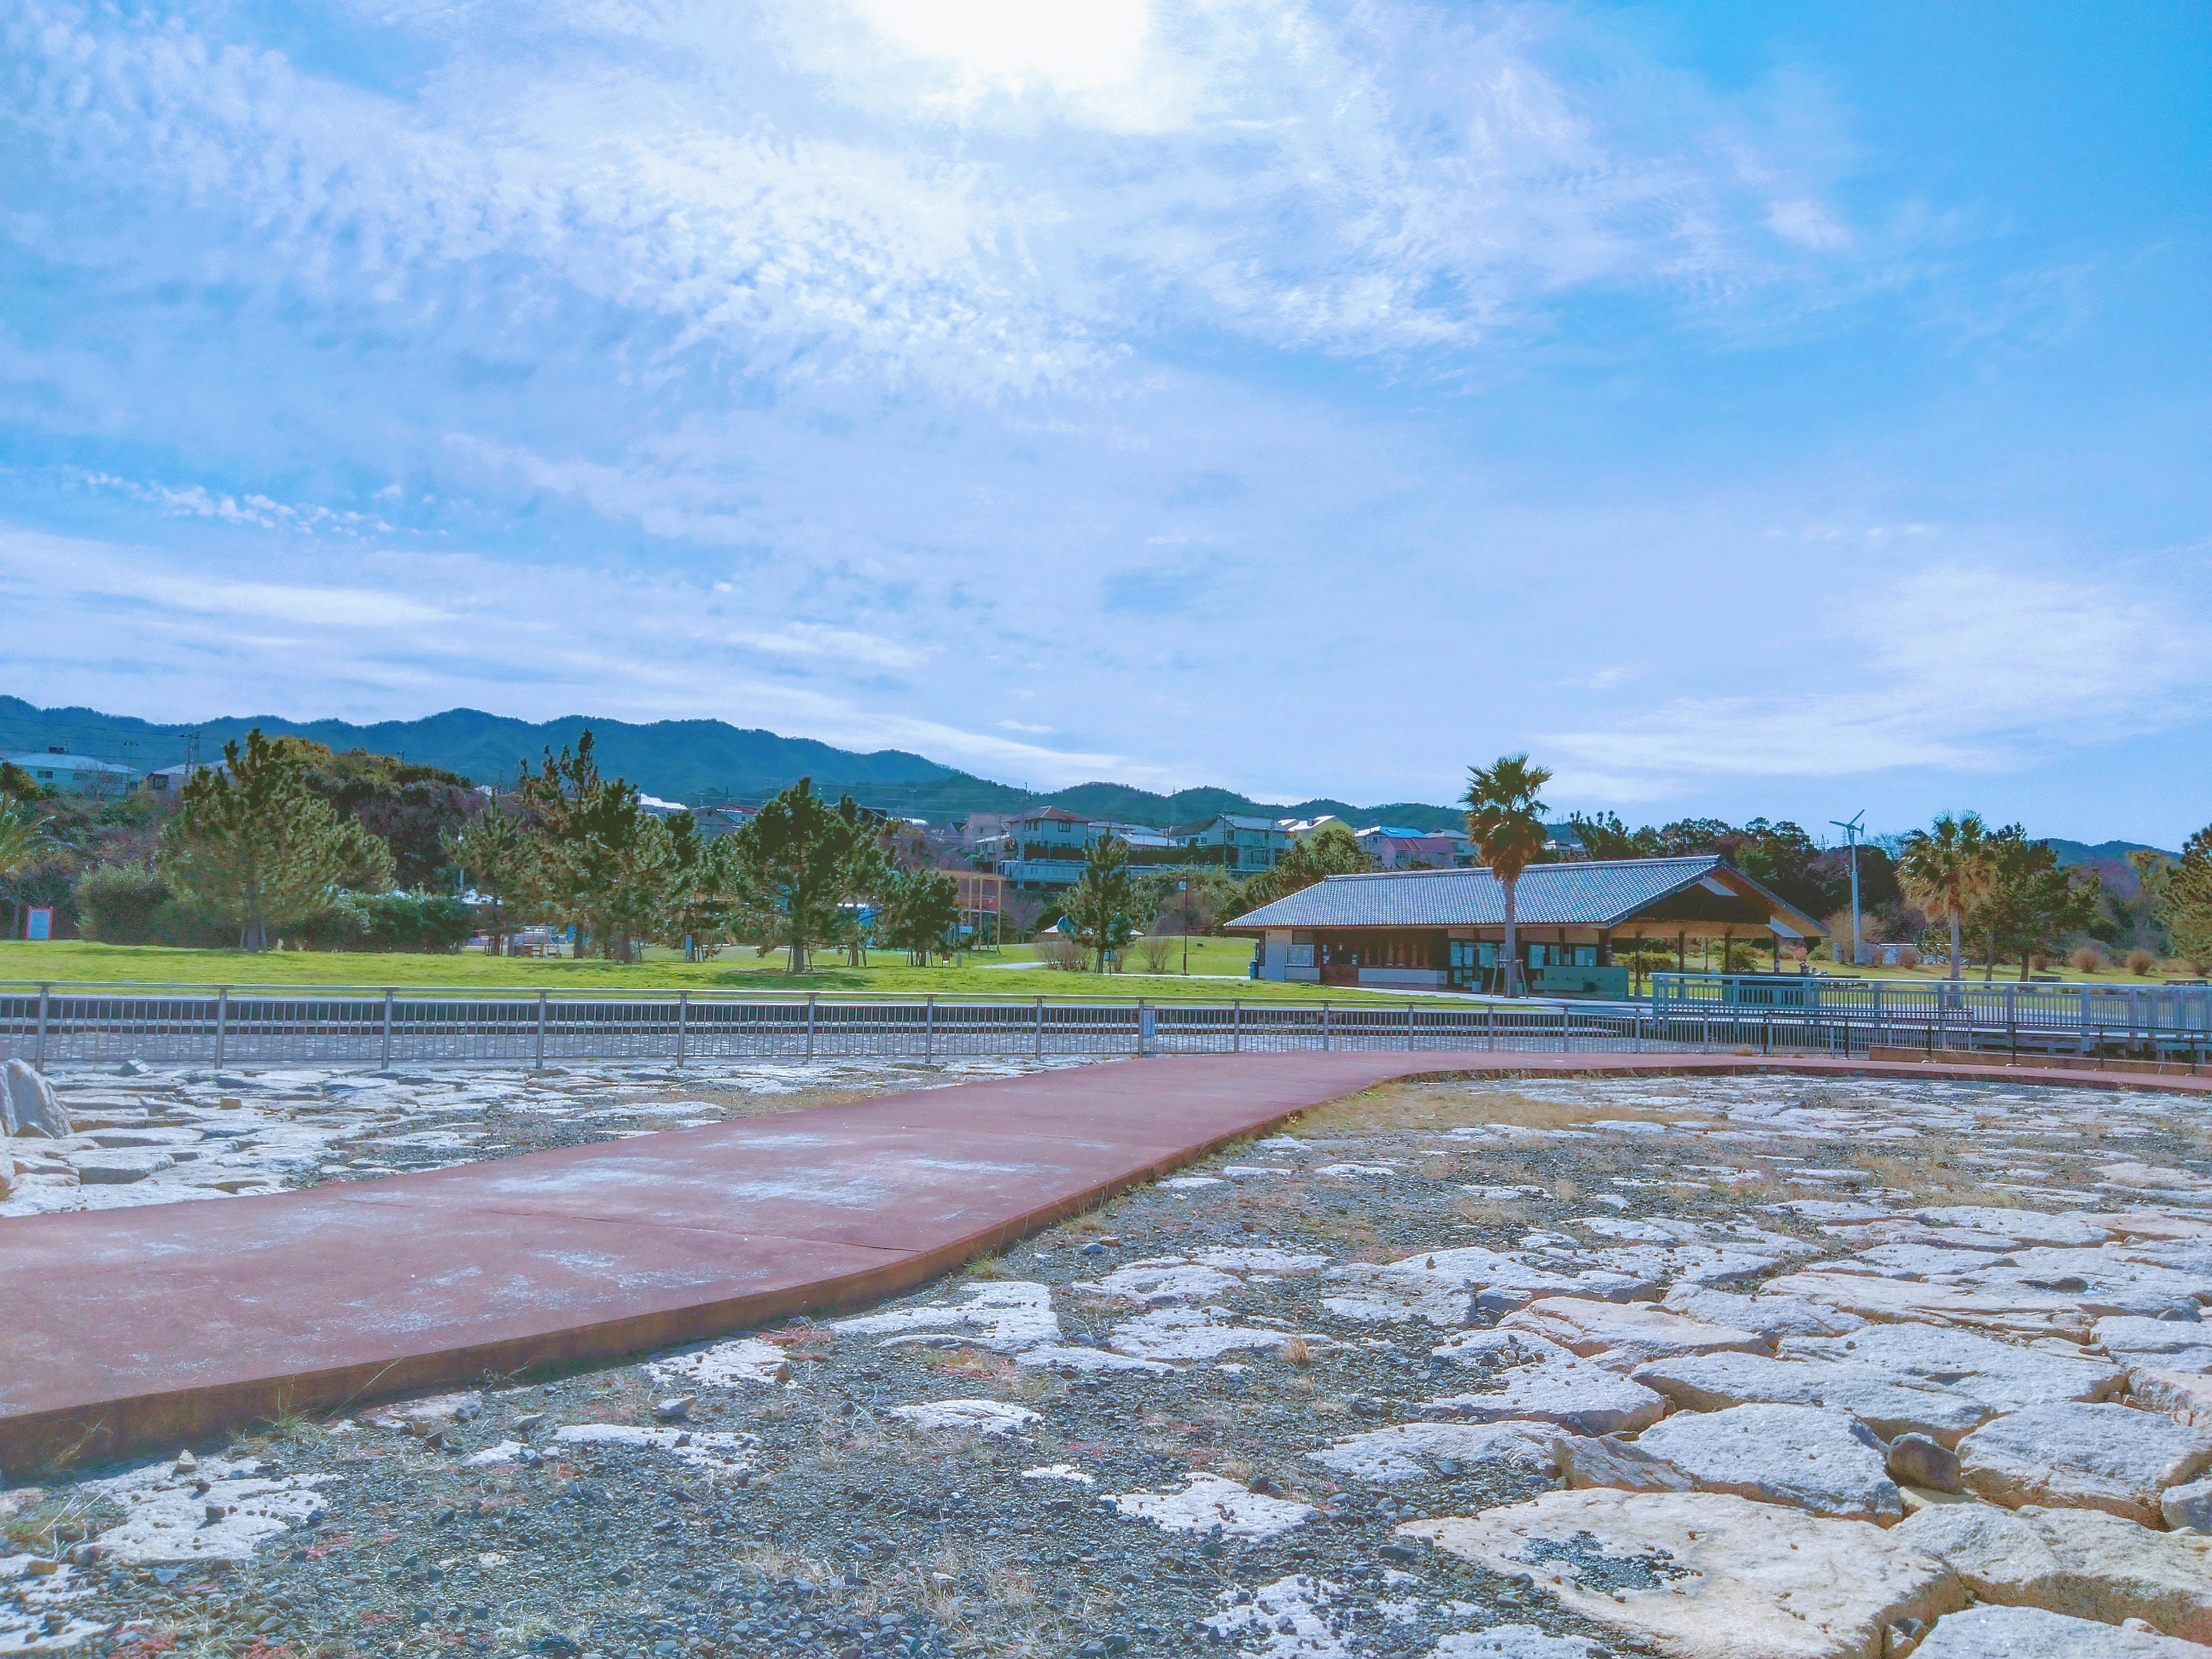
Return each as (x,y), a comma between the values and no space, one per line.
(133,1329)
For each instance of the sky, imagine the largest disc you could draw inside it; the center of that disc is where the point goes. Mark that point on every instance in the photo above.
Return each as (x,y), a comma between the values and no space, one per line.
(1746,410)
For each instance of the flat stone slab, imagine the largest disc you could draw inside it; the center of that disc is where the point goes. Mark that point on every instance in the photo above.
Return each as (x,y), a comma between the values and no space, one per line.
(2083,1562)
(1886,1403)
(1706,1575)
(1775,1316)
(2003,1376)
(2025,1312)
(1622,1336)
(2185,1396)
(2112,1458)
(1575,1393)
(1824,1462)
(1412,1451)
(2031,1633)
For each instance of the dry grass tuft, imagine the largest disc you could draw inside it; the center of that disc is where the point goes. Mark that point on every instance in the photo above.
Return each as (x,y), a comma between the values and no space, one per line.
(1296,1352)
(1492,1215)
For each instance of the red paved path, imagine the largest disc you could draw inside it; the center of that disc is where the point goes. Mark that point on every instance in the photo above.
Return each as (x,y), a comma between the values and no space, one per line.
(145,1328)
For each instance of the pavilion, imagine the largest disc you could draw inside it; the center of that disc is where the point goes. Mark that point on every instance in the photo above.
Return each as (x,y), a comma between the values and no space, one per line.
(1437,929)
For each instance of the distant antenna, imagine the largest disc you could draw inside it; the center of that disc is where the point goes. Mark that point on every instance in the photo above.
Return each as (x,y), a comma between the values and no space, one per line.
(1850,829)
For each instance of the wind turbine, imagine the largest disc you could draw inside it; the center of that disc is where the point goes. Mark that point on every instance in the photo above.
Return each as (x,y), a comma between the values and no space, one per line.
(1851,839)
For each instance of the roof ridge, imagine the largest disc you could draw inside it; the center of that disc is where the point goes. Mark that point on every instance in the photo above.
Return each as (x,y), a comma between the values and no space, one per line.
(1563,863)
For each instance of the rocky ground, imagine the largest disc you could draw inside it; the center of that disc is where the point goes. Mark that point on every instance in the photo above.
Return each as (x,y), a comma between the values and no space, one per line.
(1746,1369)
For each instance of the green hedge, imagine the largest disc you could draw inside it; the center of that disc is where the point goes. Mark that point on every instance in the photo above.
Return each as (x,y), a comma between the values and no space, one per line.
(388,922)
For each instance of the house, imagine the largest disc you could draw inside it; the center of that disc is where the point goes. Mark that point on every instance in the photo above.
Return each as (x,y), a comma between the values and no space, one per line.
(170,780)
(1241,845)
(75,775)
(1444,929)
(1045,847)
(1296,830)
(1393,848)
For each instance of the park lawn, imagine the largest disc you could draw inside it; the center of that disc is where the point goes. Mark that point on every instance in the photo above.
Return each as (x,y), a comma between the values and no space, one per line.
(78,963)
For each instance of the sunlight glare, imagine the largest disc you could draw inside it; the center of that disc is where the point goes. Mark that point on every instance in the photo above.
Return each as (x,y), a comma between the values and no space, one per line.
(1069,47)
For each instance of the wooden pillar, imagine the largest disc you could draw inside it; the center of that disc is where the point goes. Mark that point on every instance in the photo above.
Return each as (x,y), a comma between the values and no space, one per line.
(1682,952)
(1775,940)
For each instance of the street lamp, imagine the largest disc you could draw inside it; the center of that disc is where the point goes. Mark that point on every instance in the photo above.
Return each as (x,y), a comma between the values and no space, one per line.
(1851,839)
(1183,887)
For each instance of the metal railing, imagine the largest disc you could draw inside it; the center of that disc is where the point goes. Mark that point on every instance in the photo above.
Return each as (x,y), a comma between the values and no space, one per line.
(2153,1020)
(220,1026)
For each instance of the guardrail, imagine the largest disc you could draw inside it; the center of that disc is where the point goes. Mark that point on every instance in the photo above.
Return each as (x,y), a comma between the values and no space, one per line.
(2032,1018)
(58,1024)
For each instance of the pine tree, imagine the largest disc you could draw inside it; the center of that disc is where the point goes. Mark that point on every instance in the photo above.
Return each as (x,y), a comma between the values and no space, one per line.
(251,841)
(796,862)
(603,863)
(497,856)
(1099,907)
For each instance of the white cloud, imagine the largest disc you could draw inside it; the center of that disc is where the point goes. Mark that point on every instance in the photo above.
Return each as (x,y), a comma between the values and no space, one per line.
(811,640)
(1954,666)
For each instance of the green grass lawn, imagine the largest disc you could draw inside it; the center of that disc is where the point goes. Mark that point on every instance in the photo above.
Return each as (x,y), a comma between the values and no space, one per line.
(740,969)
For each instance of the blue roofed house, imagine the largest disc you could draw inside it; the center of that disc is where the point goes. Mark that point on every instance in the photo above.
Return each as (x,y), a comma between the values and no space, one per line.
(75,775)
(1442,929)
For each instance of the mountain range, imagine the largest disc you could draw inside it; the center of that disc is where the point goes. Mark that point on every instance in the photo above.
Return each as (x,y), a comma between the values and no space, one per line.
(697,762)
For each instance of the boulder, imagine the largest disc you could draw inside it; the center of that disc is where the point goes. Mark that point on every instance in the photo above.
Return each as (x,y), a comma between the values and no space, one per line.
(1886,1403)
(2080,1456)
(2031,1633)
(1706,1574)
(7,1166)
(2185,1396)
(1826,1462)
(1917,1460)
(2002,1375)
(1608,1461)
(1622,1336)
(2083,1562)
(27,1104)
(1773,1316)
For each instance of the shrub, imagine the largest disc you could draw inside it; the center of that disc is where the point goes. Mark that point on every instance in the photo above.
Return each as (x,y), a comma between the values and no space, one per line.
(2141,961)
(2085,958)
(1158,951)
(389,921)
(121,905)
(1063,954)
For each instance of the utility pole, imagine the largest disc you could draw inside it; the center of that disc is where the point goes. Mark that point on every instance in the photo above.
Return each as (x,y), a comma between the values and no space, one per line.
(1851,839)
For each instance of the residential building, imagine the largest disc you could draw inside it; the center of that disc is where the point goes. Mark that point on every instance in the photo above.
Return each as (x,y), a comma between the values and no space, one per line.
(168,779)
(1444,929)
(1296,830)
(1241,845)
(75,775)
(1045,847)
(1393,848)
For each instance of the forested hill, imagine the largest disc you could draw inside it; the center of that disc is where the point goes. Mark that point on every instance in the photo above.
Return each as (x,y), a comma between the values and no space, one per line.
(694,761)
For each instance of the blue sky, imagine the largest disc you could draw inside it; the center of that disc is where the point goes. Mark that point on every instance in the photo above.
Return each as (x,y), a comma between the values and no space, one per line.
(1744,408)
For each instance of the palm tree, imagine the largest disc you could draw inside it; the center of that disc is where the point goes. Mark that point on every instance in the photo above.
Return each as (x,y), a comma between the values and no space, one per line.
(20,842)
(1947,870)
(1505,820)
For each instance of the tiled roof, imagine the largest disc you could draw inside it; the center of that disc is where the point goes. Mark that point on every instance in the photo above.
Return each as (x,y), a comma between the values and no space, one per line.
(1577,895)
